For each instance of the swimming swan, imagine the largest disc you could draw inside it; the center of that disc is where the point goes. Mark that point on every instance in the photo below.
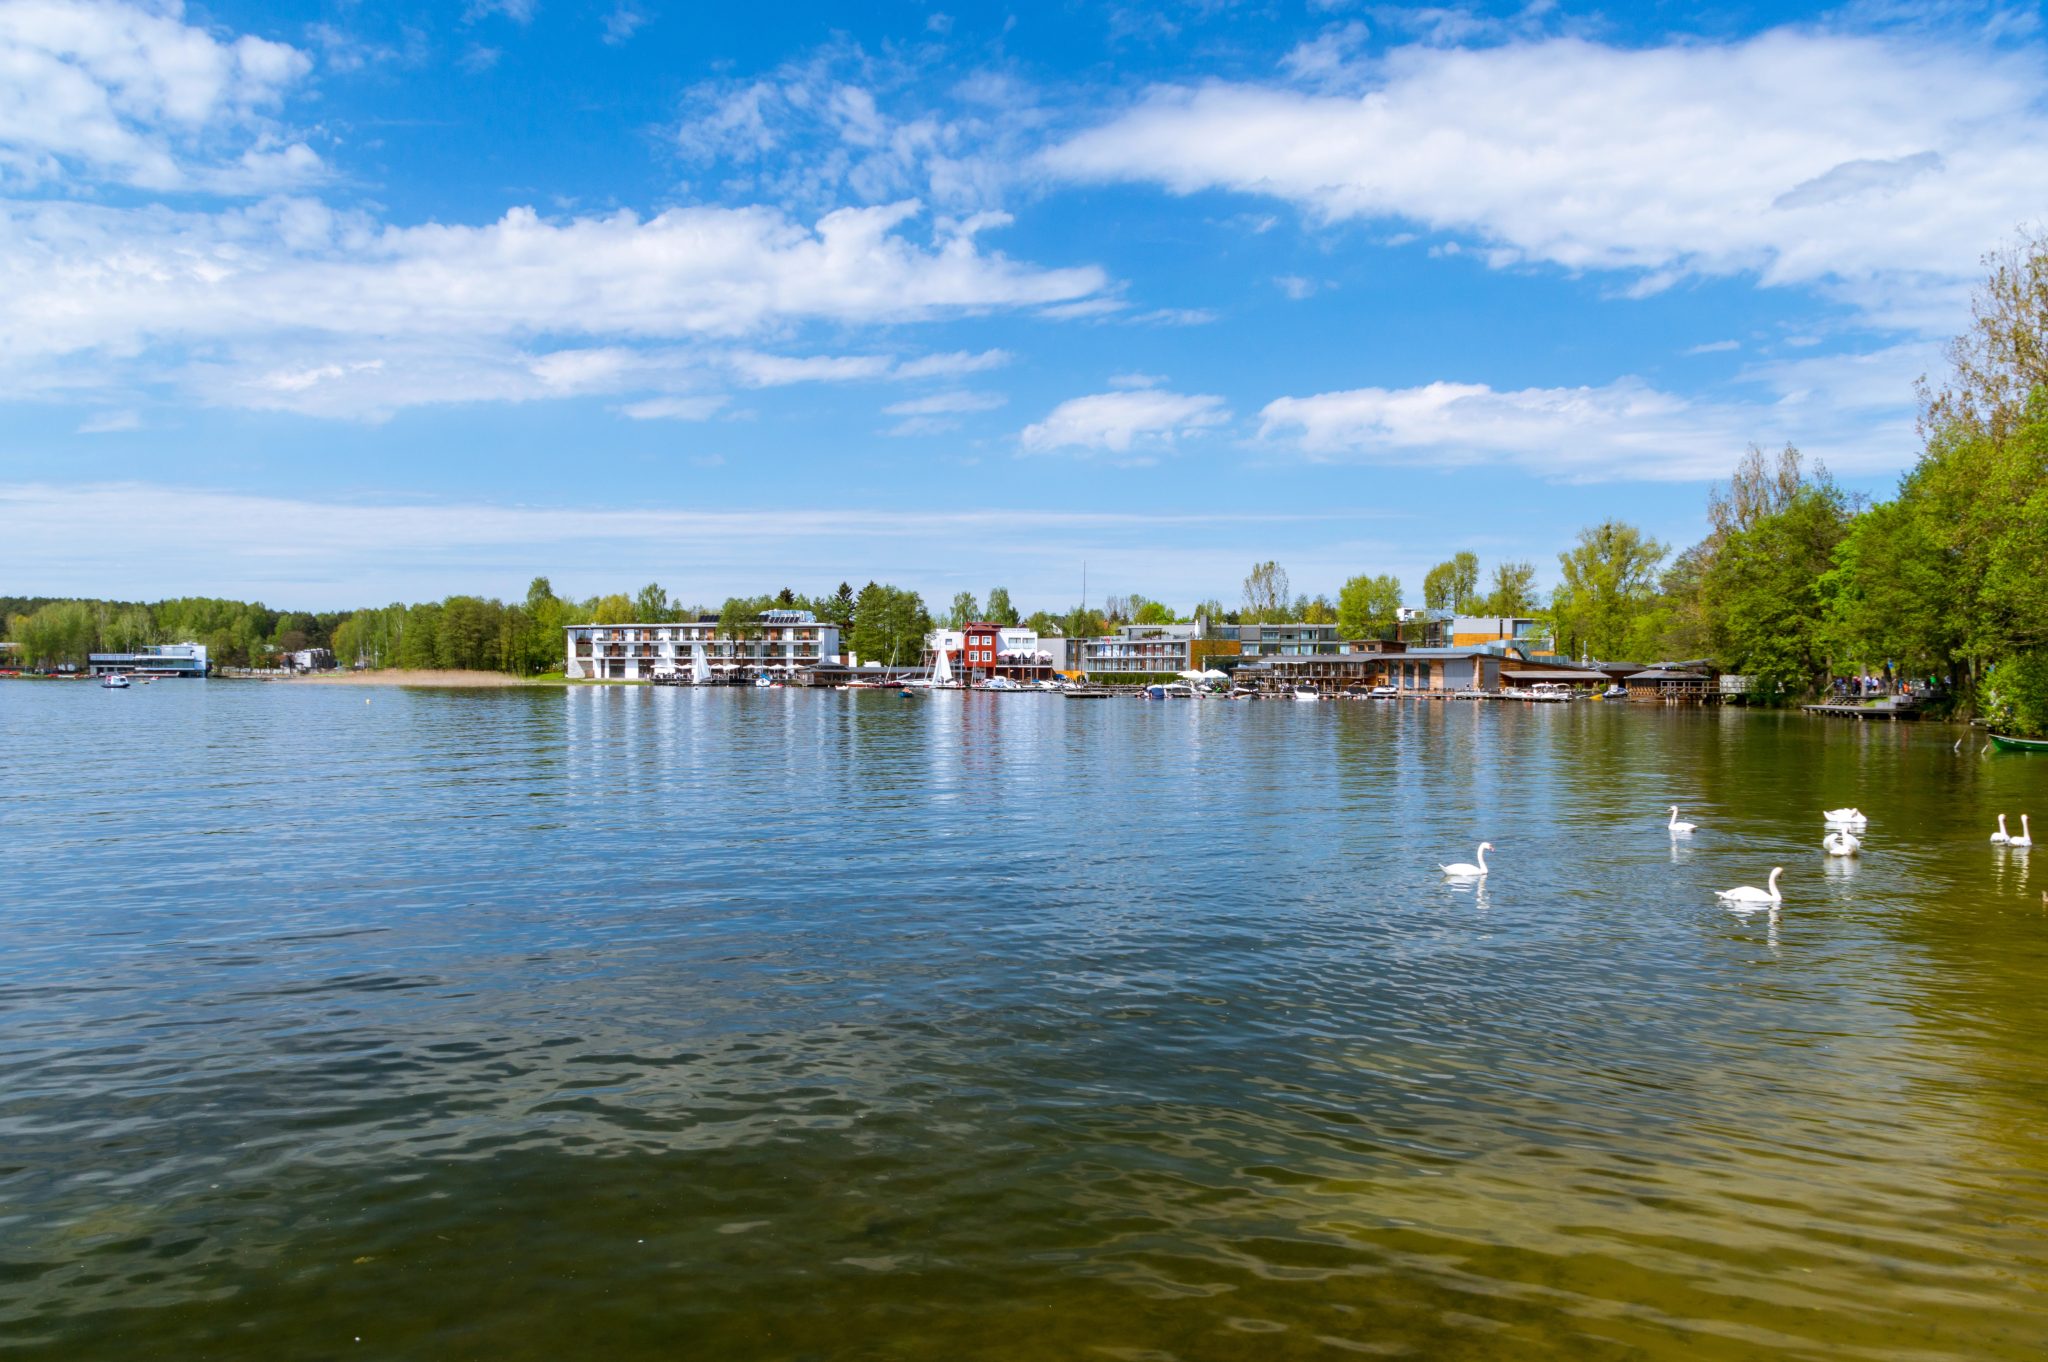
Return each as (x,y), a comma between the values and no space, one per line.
(1752,896)
(1463,871)
(1841,844)
(2025,836)
(2000,838)
(1848,817)
(1679,829)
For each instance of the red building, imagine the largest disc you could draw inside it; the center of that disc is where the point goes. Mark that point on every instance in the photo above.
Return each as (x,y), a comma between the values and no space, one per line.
(979,645)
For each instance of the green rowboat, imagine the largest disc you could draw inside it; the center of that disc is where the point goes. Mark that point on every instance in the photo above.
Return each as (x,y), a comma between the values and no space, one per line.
(2020,744)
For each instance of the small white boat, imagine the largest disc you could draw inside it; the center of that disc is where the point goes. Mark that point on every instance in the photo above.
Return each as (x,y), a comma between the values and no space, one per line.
(1304,693)
(1384,693)
(1615,693)
(1547,690)
(113,681)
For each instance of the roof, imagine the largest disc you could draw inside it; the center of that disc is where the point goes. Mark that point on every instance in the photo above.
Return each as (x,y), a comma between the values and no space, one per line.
(1553,674)
(1667,674)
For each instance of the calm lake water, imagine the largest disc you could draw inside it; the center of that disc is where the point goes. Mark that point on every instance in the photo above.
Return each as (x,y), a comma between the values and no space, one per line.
(635,1023)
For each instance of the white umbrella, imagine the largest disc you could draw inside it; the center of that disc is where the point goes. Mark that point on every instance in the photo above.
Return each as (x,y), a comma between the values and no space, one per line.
(1213,675)
(1191,676)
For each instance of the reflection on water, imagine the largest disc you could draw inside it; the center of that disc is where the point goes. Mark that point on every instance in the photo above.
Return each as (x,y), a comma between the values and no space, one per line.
(777,1024)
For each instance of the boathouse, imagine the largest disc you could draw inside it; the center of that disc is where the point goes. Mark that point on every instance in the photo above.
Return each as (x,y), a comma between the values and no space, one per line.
(1672,684)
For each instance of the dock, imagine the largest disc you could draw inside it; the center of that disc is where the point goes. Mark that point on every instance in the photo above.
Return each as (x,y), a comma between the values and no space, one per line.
(1888,710)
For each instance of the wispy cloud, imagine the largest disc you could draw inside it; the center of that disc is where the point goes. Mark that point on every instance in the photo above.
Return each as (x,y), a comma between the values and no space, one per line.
(1121,421)
(110,422)
(624,20)
(1853,411)
(347,553)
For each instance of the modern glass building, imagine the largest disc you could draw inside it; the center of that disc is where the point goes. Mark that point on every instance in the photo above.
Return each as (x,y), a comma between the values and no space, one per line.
(158,659)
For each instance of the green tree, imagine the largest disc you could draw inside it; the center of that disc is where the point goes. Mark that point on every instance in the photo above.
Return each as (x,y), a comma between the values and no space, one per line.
(1318,610)
(1044,623)
(650,606)
(838,607)
(1000,610)
(1514,591)
(1608,584)
(889,625)
(964,610)
(1451,585)
(1265,594)
(740,616)
(1368,607)
(613,609)
(1151,612)
(1082,622)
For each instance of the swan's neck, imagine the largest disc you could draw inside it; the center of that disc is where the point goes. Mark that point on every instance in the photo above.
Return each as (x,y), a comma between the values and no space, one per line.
(2001,824)
(1674,816)
(1482,857)
(1775,896)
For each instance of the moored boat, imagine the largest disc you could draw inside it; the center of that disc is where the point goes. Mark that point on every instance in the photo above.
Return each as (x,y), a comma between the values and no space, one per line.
(2006,744)
(113,681)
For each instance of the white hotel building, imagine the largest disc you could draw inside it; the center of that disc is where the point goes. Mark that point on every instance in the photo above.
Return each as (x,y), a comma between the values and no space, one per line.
(783,641)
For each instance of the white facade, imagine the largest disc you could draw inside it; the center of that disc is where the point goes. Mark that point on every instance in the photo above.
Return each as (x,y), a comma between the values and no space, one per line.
(782,641)
(1014,643)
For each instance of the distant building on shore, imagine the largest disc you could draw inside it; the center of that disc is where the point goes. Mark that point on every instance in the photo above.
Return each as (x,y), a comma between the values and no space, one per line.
(158,659)
(779,642)
(982,650)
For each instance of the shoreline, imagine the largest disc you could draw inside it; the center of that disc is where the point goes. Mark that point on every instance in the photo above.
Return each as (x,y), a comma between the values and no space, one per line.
(436,679)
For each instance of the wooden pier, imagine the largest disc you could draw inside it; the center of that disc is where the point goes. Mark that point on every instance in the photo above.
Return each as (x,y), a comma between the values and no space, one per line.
(1888,710)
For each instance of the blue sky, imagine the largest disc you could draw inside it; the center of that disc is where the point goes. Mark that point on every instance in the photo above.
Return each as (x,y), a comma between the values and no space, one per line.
(337,303)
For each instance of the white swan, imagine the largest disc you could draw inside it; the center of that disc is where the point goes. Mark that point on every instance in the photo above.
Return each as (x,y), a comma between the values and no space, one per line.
(1679,829)
(1841,844)
(2025,836)
(1752,897)
(1845,817)
(1461,870)
(2000,838)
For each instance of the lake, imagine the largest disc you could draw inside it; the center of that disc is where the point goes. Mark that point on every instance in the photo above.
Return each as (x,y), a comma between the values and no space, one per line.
(638,1023)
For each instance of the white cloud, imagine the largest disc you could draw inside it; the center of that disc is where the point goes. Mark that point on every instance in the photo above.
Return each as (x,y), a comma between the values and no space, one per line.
(518,11)
(110,422)
(952,364)
(1117,421)
(1175,316)
(1874,168)
(1852,411)
(1713,347)
(1295,286)
(623,22)
(109,289)
(674,409)
(947,403)
(939,412)
(843,123)
(774,371)
(136,95)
